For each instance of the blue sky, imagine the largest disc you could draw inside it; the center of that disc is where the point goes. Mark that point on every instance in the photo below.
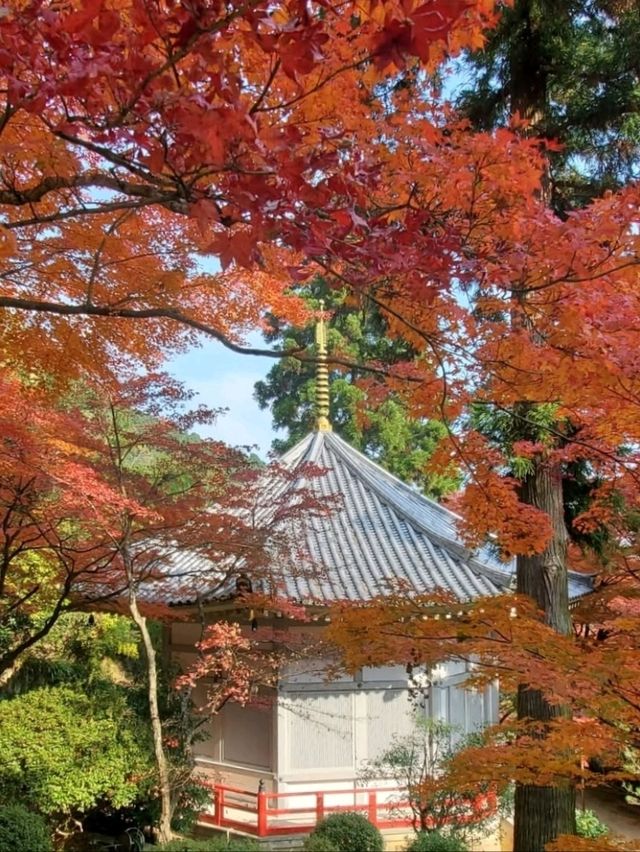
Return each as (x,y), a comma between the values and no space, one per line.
(224,379)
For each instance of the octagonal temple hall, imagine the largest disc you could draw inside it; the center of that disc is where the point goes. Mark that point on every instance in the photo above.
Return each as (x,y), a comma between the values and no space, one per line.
(278,765)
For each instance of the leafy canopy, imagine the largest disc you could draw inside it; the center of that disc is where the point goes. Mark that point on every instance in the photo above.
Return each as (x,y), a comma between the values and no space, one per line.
(63,751)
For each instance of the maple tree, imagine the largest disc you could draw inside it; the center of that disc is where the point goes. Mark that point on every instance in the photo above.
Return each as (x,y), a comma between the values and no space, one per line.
(193,522)
(505,638)
(52,505)
(137,137)
(147,133)
(565,69)
(513,372)
(242,665)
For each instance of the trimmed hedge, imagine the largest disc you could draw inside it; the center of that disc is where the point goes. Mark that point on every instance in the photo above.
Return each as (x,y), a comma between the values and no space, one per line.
(350,831)
(435,841)
(22,830)
(318,843)
(217,843)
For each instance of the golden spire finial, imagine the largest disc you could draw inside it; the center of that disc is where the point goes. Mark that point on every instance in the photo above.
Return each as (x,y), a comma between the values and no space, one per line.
(323,423)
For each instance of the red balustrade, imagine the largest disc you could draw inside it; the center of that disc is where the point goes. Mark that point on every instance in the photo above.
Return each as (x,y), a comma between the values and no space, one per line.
(259,814)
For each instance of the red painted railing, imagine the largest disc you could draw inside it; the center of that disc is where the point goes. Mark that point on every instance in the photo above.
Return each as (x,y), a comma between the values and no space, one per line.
(259,813)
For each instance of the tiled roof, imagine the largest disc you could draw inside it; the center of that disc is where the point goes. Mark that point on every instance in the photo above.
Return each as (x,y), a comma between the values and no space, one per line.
(379,533)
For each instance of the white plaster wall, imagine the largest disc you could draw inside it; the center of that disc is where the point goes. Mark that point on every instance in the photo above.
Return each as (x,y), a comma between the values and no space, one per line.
(327,732)
(320,734)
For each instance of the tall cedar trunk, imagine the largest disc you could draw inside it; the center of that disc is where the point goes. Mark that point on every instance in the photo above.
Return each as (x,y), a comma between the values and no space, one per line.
(541,813)
(164,833)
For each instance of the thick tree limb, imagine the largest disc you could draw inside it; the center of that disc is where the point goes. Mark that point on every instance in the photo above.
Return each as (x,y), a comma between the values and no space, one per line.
(178,316)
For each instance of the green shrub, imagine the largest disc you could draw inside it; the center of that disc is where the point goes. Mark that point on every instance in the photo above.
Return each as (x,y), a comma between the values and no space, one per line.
(425,776)
(631,764)
(436,841)
(588,825)
(63,751)
(216,843)
(22,831)
(318,843)
(350,831)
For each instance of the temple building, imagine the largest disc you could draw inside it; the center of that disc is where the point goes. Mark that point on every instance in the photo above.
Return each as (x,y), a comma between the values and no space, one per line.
(303,753)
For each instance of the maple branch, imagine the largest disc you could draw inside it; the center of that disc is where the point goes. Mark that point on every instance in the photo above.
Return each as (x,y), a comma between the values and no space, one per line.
(11,655)
(19,197)
(321,83)
(266,87)
(175,315)
(108,154)
(111,207)
(181,53)
(113,227)
(18,602)
(568,278)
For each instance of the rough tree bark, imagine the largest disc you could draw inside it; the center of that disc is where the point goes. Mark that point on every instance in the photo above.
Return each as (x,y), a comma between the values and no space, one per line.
(541,813)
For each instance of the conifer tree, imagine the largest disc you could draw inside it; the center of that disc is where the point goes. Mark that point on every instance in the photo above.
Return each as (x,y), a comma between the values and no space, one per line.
(382,429)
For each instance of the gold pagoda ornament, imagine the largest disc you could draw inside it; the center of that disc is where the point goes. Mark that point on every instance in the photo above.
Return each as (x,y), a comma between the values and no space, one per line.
(323,424)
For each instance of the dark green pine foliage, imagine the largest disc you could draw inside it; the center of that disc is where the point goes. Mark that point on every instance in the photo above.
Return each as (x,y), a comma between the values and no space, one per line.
(582,59)
(384,431)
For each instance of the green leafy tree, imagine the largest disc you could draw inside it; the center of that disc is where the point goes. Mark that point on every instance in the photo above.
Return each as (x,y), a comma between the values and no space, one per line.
(82,650)
(419,765)
(64,751)
(380,429)
(94,663)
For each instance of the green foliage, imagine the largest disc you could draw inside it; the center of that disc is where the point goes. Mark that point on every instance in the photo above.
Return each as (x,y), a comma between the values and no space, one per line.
(383,431)
(588,51)
(537,424)
(319,843)
(80,649)
(64,751)
(419,764)
(95,658)
(631,764)
(216,843)
(349,831)
(436,841)
(191,799)
(22,831)
(589,825)
(502,427)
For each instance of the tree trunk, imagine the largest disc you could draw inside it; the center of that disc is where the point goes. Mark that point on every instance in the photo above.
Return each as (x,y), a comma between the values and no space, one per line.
(542,813)
(164,833)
